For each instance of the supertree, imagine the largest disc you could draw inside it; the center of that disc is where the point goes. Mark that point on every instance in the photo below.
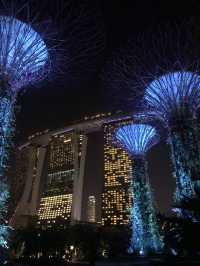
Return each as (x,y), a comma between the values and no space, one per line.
(137,139)
(175,97)
(27,57)
(160,73)
(24,59)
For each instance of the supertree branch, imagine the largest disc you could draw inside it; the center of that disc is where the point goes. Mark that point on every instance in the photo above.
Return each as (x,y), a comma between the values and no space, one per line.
(156,52)
(23,55)
(137,139)
(78,51)
(81,30)
(174,96)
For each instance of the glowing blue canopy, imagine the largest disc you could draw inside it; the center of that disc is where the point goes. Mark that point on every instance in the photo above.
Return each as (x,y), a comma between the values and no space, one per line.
(174,93)
(23,53)
(137,139)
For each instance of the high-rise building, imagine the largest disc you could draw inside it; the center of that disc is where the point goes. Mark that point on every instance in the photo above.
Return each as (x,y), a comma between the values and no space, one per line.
(31,171)
(62,167)
(117,196)
(74,174)
(61,173)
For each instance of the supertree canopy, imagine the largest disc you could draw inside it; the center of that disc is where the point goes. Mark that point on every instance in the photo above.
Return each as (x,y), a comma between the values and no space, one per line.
(174,98)
(23,60)
(137,139)
(23,53)
(27,56)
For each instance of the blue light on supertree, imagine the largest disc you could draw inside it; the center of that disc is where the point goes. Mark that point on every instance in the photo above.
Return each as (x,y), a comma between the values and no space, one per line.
(175,97)
(27,57)
(137,139)
(160,73)
(24,59)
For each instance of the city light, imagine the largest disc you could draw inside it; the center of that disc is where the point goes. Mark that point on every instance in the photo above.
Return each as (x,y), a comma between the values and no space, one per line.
(117,196)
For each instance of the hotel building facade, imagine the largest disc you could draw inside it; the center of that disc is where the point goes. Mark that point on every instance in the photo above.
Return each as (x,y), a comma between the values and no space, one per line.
(76,174)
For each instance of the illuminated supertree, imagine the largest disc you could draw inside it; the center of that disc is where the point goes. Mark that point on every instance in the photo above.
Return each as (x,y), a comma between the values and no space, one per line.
(26,58)
(137,139)
(175,97)
(160,72)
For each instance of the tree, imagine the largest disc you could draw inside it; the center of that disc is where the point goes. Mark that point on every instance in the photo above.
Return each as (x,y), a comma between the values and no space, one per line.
(115,241)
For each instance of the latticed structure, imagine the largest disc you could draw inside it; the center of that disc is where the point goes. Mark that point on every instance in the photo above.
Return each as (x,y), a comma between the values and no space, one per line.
(174,98)
(24,59)
(137,139)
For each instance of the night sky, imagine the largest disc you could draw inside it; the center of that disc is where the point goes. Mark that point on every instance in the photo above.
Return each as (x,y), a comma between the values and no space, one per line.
(54,104)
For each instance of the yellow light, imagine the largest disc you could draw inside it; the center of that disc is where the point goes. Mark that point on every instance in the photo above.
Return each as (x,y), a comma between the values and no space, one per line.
(67,140)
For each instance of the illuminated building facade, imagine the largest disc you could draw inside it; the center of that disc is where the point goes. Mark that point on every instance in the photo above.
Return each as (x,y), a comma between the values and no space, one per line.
(54,207)
(60,176)
(75,174)
(117,195)
(62,165)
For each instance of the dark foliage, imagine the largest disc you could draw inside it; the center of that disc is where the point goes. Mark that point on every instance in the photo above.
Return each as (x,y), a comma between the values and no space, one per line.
(181,232)
(82,242)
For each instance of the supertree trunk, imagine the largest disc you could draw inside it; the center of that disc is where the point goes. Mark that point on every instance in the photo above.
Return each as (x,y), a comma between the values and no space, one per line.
(6,128)
(185,157)
(145,235)
(197,182)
